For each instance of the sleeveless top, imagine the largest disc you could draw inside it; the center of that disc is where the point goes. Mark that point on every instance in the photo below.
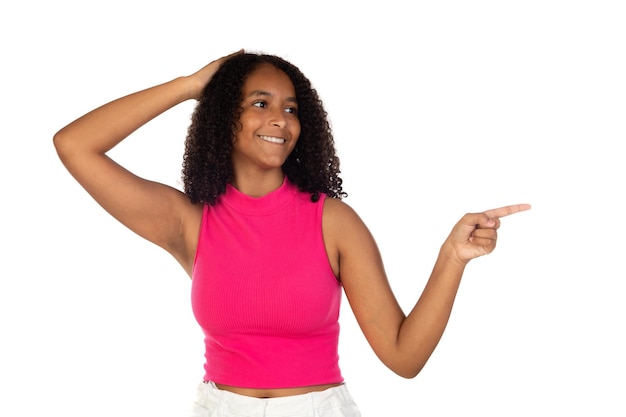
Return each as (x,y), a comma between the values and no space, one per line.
(264,293)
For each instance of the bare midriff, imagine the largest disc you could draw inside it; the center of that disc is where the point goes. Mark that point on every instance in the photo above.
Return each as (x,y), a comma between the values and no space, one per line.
(275,392)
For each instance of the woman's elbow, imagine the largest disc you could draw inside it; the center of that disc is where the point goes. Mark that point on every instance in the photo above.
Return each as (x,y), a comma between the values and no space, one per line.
(61,143)
(407,371)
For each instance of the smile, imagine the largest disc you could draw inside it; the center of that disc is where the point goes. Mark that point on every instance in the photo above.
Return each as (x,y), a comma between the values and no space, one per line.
(272,139)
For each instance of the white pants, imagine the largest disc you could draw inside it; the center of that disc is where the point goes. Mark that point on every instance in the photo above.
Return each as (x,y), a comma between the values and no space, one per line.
(333,402)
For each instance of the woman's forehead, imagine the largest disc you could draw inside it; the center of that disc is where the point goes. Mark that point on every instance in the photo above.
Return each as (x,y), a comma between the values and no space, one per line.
(268,79)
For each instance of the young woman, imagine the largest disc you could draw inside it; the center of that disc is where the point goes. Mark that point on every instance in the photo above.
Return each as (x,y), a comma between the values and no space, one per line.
(262,231)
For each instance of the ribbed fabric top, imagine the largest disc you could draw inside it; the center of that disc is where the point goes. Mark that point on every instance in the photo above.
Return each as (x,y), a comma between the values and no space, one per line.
(264,293)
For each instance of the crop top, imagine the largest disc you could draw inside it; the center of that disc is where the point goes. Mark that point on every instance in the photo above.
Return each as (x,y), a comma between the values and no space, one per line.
(264,293)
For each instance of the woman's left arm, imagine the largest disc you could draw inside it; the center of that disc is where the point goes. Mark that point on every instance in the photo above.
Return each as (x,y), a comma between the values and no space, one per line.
(405,342)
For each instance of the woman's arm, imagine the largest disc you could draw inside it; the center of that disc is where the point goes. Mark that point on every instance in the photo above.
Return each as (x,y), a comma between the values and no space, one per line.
(405,342)
(159,213)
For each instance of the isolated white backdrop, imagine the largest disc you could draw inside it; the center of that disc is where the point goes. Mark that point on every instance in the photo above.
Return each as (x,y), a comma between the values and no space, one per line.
(438,108)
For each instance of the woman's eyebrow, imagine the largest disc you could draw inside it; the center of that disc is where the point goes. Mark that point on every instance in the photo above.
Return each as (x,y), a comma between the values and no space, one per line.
(256,93)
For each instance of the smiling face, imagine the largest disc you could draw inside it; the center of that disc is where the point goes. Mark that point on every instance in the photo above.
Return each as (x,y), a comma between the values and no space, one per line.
(269,125)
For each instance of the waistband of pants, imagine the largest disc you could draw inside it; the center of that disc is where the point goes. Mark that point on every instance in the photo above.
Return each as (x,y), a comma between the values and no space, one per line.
(308,404)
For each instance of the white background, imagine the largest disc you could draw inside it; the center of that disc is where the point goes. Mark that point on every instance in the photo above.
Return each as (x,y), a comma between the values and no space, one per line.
(438,108)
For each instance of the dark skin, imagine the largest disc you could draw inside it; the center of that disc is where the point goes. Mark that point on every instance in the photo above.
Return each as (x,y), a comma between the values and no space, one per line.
(269,130)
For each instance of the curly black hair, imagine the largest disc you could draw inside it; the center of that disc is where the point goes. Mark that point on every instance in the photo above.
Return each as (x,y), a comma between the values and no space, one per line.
(312,166)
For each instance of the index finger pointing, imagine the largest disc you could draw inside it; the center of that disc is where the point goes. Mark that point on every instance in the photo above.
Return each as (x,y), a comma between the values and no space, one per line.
(506,210)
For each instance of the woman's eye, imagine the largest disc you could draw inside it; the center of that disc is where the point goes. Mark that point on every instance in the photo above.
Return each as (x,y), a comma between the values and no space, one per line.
(292,110)
(260,104)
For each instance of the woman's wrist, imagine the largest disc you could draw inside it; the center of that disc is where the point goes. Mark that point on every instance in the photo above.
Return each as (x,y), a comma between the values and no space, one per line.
(193,86)
(449,256)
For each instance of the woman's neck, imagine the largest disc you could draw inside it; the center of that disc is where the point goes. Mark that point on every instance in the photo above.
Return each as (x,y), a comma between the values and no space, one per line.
(258,185)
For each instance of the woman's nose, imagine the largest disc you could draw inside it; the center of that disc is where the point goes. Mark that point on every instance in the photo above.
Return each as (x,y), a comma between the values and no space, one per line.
(278,118)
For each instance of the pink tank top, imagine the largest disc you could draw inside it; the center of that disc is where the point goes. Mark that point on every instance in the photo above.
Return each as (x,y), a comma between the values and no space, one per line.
(264,293)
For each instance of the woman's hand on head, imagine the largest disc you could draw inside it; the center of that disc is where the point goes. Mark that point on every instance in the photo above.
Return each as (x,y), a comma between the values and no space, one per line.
(199,79)
(476,233)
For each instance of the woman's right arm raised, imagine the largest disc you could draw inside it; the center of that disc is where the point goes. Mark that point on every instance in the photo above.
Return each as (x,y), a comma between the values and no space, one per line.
(159,213)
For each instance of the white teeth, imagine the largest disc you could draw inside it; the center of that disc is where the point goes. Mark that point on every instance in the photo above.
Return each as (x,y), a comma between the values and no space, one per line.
(272,139)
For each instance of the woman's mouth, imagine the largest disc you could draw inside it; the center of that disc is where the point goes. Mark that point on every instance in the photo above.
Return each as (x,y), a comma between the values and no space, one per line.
(272,139)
